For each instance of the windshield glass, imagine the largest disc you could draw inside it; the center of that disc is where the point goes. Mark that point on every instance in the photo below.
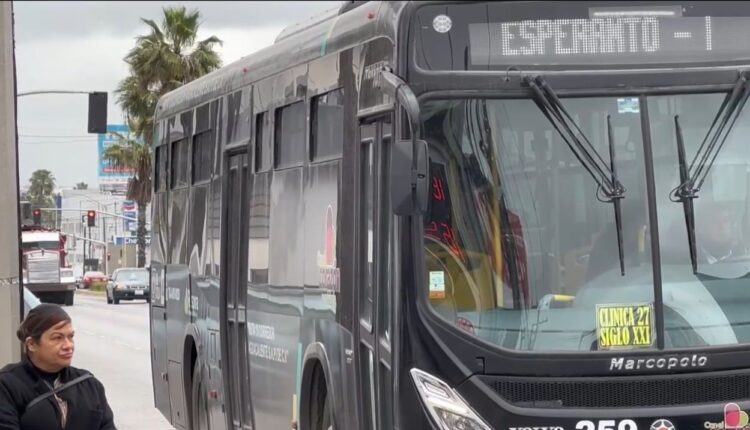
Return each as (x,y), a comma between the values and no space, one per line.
(139,276)
(717,296)
(46,245)
(521,251)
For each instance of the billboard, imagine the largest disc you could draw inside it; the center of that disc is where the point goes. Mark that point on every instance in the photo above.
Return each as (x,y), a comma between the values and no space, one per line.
(108,174)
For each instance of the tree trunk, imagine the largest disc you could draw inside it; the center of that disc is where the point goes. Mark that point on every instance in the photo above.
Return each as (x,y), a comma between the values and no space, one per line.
(141,236)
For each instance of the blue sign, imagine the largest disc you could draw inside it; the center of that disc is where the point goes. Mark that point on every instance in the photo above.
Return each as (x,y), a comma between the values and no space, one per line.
(129,209)
(130,240)
(109,174)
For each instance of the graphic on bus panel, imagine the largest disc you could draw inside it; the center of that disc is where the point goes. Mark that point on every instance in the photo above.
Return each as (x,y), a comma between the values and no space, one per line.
(329,273)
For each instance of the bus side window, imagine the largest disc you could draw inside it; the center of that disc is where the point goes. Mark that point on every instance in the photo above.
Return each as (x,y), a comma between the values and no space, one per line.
(262,142)
(290,135)
(327,124)
(202,146)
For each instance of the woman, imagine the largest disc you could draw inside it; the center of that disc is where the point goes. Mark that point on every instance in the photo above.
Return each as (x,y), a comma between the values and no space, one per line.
(43,391)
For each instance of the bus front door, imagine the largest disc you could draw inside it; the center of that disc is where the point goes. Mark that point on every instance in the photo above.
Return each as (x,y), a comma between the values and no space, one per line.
(373,303)
(234,294)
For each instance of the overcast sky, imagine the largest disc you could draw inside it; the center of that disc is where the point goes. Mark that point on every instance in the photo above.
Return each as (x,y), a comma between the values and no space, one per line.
(80,46)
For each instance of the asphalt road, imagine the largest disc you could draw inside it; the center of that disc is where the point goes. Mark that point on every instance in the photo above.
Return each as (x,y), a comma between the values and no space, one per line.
(112,342)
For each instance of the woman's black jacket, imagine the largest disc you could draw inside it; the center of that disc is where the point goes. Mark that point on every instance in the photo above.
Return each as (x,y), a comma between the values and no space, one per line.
(20,383)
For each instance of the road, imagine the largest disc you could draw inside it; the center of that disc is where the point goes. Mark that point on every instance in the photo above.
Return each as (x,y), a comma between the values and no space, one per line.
(112,342)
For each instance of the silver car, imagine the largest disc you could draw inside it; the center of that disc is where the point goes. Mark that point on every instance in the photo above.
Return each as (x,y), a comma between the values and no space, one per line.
(128,284)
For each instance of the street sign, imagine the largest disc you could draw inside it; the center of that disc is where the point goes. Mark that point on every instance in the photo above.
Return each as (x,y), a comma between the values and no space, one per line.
(130,240)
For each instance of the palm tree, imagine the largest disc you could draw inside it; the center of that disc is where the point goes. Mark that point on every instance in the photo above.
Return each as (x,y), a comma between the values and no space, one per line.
(40,194)
(162,60)
(133,153)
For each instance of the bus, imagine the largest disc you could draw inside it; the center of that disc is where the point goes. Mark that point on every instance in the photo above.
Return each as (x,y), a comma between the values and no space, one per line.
(461,215)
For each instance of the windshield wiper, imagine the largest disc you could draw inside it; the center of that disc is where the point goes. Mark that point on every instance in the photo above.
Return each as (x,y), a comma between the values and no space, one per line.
(616,199)
(604,175)
(687,199)
(693,177)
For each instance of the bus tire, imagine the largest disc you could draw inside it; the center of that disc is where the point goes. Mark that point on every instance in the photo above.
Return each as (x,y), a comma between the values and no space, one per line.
(69,298)
(198,402)
(321,412)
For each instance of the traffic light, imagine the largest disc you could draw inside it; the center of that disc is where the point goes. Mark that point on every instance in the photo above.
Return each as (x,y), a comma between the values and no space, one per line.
(97,112)
(91,218)
(37,214)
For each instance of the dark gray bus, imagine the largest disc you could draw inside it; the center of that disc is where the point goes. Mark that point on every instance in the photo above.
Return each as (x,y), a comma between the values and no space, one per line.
(461,215)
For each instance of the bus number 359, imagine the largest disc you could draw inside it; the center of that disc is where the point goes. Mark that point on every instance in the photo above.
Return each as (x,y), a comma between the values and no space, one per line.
(607,425)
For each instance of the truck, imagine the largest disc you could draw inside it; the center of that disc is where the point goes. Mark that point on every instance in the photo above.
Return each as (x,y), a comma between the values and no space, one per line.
(45,272)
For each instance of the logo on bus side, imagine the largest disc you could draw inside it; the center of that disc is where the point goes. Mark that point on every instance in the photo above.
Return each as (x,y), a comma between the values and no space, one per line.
(329,272)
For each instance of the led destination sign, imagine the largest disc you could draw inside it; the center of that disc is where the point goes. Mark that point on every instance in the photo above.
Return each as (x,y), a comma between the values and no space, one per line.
(611,39)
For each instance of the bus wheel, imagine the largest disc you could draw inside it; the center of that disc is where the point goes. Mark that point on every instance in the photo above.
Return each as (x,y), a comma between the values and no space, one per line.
(322,409)
(199,402)
(327,414)
(69,297)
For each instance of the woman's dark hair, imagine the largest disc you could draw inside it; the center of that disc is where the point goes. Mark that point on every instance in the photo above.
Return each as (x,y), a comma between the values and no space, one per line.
(40,319)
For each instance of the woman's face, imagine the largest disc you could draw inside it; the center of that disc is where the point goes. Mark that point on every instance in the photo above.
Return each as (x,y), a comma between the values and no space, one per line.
(54,351)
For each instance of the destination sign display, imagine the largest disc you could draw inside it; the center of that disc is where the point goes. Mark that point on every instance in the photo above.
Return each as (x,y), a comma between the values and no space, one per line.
(624,39)
(597,34)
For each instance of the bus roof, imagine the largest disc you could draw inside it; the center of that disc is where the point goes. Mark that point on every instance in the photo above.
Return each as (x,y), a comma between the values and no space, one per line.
(297,44)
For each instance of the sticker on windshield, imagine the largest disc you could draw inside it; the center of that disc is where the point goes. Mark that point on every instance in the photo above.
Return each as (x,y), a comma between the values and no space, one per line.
(628,105)
(624,326)
(437,285)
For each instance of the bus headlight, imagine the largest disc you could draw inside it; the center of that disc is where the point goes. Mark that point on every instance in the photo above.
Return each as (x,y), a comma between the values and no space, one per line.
(447,408)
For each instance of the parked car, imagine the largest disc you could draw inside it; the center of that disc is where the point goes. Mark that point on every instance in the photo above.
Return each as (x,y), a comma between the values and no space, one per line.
(30,301)
(129,284)
(93,278)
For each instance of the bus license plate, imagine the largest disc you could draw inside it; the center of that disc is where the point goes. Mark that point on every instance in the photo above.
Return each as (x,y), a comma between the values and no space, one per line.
(138,292)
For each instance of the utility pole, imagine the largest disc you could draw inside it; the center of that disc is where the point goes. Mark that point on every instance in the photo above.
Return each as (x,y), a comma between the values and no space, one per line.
(85,245)
(10,284)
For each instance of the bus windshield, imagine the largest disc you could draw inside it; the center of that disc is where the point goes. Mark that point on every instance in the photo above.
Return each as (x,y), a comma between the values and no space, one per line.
(46,245)
(522,251)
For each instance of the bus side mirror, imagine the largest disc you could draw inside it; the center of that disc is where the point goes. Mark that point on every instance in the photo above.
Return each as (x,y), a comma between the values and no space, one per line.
(409,180)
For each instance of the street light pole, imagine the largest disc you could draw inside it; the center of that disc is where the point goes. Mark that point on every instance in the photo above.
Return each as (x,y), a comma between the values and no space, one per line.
(31,93)
(10,282)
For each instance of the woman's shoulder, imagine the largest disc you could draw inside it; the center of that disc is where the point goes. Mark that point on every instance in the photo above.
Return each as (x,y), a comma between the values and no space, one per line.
(14,378)
(12,371)
(10,368)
